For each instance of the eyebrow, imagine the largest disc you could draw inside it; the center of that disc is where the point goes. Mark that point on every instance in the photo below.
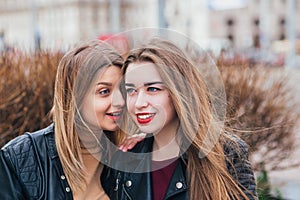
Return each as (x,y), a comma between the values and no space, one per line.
(104,83)
(145,84)
(153,83)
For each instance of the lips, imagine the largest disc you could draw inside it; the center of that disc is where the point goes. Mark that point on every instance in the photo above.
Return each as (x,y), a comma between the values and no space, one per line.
(115,116)
(144,118)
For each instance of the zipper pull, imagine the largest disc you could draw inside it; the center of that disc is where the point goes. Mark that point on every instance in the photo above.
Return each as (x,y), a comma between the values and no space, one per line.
(117,181)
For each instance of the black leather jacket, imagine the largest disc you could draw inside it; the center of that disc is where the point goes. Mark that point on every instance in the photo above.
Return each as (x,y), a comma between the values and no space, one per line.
(30,168)
(120,185)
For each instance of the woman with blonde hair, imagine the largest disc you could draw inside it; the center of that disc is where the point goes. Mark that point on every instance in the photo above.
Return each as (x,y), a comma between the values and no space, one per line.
(187,154)
(62,161)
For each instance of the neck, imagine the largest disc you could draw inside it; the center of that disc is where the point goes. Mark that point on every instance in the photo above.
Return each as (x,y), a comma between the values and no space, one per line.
(93,171)
(165,145)
(163,139)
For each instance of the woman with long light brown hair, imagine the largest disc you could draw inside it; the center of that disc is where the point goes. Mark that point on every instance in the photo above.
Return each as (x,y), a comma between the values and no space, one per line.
(187,154)
(62,161)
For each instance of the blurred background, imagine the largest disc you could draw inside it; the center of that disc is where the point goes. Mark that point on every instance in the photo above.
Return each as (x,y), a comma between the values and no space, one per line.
(272,26)
(255,43)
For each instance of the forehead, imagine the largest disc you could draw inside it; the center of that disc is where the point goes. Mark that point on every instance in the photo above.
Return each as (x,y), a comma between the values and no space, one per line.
(109,74)
(142,72)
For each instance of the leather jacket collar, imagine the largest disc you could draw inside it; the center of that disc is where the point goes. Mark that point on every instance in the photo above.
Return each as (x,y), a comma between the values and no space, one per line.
(50,141)
(134,182)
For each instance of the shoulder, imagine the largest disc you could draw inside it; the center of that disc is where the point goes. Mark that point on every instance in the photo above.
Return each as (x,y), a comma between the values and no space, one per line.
(16,149)
(22,143)
(20,151)
(239,165)
(236,155)
(20,157)
(234,146)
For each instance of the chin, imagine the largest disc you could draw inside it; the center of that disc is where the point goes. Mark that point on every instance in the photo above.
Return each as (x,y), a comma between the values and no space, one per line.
(147,130)
(112,128)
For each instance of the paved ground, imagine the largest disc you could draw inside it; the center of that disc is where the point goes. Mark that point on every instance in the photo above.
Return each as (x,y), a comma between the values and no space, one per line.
(288,181)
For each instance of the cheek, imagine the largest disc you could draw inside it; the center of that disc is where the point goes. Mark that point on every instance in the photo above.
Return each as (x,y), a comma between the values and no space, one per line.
(100,107)
(170,108)
(88,108)
(162,101)
(130,103)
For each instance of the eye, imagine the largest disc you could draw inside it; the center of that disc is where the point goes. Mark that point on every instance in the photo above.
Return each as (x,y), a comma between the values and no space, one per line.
(153,89)
(104,92)
(130,91)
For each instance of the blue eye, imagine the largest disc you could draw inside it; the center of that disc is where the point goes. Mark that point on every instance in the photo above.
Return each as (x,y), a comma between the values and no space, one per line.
(104,91)
(153,89)
(130,91)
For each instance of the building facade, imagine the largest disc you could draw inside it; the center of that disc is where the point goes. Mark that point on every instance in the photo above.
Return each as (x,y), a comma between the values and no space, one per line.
(57,24)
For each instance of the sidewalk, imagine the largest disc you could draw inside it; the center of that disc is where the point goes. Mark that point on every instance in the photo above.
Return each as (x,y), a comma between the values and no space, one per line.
(288,181)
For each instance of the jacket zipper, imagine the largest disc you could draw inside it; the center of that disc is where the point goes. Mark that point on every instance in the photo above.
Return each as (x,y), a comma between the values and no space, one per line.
(117,182)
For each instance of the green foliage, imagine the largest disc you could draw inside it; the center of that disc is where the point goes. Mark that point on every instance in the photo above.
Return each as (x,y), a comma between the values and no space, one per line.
(264,188)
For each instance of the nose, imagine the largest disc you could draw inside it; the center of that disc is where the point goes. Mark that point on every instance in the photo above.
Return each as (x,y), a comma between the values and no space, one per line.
(117,99)
(141,100)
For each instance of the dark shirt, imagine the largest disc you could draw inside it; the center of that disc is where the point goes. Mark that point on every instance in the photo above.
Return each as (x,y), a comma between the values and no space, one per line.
(161,177)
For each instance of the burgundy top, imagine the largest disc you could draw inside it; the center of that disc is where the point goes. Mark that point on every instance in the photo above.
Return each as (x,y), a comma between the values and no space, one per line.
(162,177)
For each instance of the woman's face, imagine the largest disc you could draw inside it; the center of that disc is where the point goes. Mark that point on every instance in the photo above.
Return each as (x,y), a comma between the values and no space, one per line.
(148,100)
(102,106)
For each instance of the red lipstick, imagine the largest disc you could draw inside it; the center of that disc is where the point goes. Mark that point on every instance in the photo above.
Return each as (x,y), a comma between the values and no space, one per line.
(144,118)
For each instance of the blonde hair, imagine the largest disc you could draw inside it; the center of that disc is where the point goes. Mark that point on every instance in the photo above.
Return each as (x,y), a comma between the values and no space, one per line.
(208,176)
(76,71)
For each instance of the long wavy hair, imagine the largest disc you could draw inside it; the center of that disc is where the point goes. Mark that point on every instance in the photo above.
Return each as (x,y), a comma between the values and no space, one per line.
(76,71)
(198,133)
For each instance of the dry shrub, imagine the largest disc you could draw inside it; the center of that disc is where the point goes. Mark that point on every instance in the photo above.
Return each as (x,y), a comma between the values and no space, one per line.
(26,92)
(262,110)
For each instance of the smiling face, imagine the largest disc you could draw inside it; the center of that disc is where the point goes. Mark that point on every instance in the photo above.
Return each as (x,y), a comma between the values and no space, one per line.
(103,103)
(148,100)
